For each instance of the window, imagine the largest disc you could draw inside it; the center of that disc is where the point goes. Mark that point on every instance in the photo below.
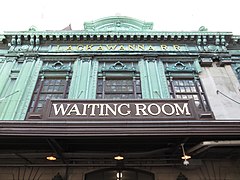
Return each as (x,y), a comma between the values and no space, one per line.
(53,83)
(118,81)
(188,88)
(184,83)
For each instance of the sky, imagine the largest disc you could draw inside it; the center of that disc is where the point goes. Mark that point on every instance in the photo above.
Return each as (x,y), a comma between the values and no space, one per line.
(167,15)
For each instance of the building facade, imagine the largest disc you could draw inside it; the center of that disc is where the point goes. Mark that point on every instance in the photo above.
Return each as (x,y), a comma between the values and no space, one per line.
(166,102)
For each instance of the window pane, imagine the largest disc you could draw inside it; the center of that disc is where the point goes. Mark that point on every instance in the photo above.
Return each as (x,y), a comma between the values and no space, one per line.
(139,96)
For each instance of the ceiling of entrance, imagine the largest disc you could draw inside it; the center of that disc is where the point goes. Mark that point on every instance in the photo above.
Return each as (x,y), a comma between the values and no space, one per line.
(100,151)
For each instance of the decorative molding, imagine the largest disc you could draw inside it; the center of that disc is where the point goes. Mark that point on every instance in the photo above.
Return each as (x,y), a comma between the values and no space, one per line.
(92,93)
(11,59)
(57,66)
(29,90)
(118,23)
(118,66)
(126,34)
(143,77)
(86,58)
(180,67)
(163,80)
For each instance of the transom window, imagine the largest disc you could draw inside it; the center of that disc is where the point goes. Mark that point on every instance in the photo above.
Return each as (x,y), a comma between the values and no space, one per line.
(118,81)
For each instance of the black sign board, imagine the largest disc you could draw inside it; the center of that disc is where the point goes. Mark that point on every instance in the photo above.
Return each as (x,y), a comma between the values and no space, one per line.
(173,109)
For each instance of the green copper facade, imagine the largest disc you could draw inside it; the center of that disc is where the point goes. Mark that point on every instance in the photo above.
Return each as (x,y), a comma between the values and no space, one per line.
(119,88)
(18,79)
(83,85)
(153,78)
(22,55)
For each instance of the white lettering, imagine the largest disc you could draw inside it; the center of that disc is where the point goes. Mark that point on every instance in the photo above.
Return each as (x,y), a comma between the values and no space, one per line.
(120,109)
(74,109)
(150,110)
(138,109)
(93,108)
(172,110)
(109,108)
(101,110)
(60,109)
(182,110)
(84,113)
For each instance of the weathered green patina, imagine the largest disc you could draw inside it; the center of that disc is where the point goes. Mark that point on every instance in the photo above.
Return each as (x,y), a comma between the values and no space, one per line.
(23,53)
(118,23)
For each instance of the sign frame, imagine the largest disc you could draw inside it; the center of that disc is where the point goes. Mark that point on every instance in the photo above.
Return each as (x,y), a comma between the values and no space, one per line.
(126,110)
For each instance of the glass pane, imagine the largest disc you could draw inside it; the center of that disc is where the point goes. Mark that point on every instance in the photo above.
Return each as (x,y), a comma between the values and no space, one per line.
(177,89)
(138,82)
(139,96)
(197,103)
(182,89)
(193,89)
(52,82)
(99,89)
(100,82)
(138,89)
(50,88)
(187,89)
(195,97)
(45,88)
(99,96)
(58,82)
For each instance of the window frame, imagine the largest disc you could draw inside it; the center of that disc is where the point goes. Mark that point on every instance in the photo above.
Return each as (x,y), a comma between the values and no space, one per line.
(199,90)
(55,71)
(38,91)
(118,71)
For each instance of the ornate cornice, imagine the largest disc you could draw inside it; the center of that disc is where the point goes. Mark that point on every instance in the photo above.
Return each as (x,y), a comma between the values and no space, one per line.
(37,37)
(91,35)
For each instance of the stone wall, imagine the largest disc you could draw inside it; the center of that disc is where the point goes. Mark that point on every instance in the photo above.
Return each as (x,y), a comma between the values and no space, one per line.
(224,80)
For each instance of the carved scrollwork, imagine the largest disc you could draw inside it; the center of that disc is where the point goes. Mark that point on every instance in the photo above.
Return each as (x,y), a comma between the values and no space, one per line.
(180,67)
(118,66)
(57,66)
